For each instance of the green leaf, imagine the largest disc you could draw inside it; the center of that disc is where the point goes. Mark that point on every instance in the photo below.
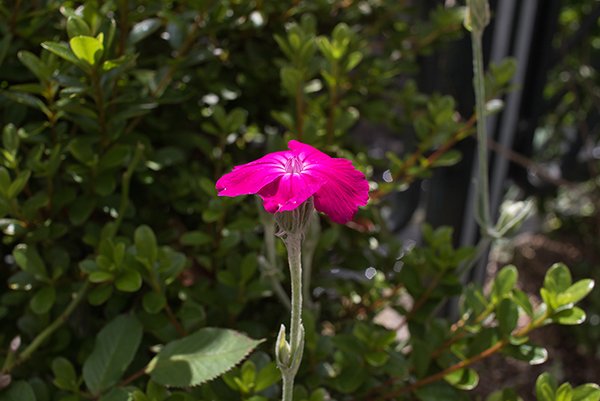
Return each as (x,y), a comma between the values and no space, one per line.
(266,377)
(200,357)
(76,26)
(118,394)
(569,317)
(145,244)
(87,48)
(18,184)
(504,282)
(507,314)
(4,180)
(532,354)
(464,379)
(115,347)
(100,276)
(576,292)
(545,386)
(450,158)
(564,392)
(129,281)
(351,378)
(439,391)
(153,302)
(43,300)
(508,394)
(35,65)
(100,294)
(586,392)
(116,156)
(522,300)
(61,50)
(143,29)
(29,260)
(65,377)
(81,209)
(557,279)
(18,391)
(248,267)
(195,238)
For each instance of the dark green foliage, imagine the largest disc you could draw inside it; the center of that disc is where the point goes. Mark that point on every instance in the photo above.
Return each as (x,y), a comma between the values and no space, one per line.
(121,261)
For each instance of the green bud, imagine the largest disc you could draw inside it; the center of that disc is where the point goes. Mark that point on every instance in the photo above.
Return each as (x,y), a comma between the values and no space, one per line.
(512,216)
(283,352)
(477,16)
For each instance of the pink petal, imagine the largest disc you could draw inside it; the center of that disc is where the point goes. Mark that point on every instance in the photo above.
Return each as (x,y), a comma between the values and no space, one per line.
(345,190)
(289,191)
(252,177)
(307,151)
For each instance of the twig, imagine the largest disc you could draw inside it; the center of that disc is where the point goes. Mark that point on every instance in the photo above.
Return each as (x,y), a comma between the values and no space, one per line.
(529,164)
(524,331)
(125,183)
(48,331)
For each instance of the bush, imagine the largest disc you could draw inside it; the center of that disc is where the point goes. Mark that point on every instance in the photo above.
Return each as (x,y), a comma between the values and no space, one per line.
(129,279)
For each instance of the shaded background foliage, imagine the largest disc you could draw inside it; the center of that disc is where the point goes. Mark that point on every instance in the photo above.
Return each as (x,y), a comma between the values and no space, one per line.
(111,146)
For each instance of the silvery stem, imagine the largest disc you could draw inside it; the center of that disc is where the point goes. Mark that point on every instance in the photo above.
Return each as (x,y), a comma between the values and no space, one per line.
(293,243)
(482,151)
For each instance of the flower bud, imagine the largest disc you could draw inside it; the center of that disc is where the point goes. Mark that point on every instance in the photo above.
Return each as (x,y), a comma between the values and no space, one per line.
(512,215)
(283,352)
(5,380)
(15,344)
(477,16)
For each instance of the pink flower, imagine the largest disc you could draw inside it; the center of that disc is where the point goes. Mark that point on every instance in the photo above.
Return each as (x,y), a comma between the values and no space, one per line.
(284,180)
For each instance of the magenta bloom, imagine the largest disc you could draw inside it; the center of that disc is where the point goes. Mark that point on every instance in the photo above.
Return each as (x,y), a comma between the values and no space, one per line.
(284,180)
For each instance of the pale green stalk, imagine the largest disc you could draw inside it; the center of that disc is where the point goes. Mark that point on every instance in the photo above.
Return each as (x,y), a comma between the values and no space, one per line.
(288,355)
(478,18)
(293,242)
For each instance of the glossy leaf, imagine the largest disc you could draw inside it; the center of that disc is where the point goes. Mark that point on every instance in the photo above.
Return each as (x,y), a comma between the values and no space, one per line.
(464,379)
(586,392)
(504,282)
(145,244)
(65,376)
(29,260)
(575,292)
(43,300)
(569,317)
(115,347)
(87,48)
(62,50)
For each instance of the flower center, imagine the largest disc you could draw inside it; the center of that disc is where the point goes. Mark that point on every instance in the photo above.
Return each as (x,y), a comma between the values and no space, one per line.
(293,165)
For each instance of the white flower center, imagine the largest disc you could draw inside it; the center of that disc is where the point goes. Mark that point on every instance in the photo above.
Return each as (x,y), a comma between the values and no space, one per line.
(294,165)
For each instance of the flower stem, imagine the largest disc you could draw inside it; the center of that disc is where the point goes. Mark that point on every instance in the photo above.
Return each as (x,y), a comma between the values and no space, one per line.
(482,151)
(294,259)
(293,243)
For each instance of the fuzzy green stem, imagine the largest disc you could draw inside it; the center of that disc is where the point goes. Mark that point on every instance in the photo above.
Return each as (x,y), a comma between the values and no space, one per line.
(294,246)
(293,243)
(482,151)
